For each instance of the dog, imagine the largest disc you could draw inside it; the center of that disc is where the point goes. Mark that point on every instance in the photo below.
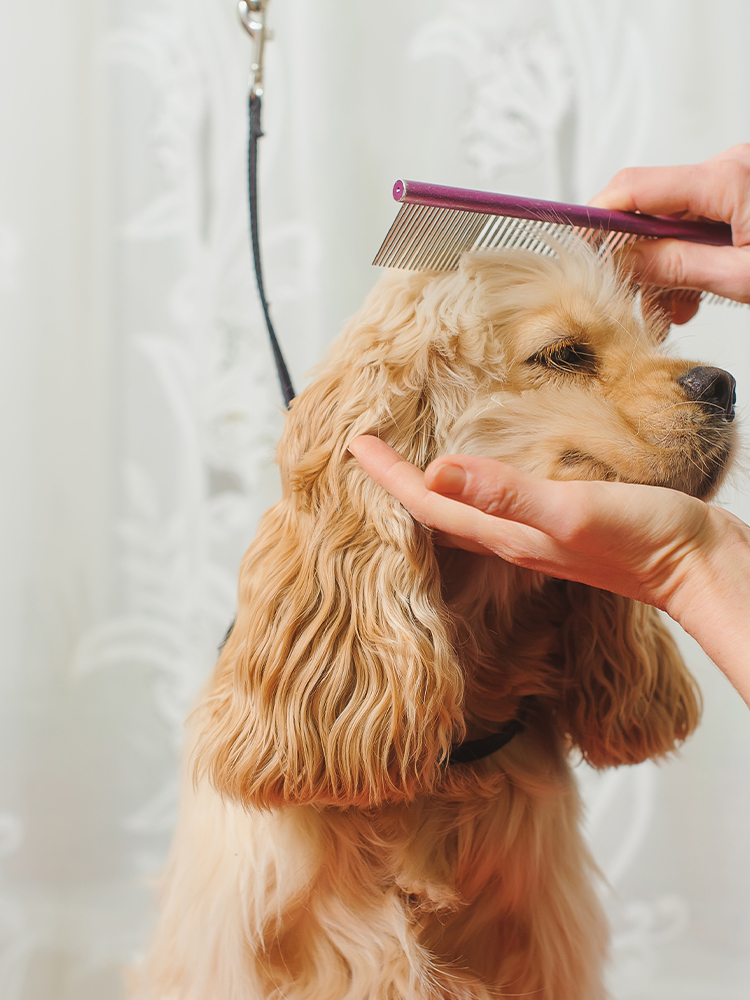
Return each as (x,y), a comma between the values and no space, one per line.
(336,841)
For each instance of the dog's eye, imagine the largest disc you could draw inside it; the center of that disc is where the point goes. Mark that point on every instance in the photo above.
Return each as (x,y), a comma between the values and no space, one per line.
(566,357)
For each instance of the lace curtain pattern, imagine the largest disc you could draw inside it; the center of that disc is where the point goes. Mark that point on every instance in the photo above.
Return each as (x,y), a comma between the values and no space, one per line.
(140,406)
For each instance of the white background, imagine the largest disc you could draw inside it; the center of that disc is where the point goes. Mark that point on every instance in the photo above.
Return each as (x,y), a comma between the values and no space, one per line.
(139,408)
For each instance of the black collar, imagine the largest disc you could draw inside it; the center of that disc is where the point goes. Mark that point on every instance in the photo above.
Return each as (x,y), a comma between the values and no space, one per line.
(471,750)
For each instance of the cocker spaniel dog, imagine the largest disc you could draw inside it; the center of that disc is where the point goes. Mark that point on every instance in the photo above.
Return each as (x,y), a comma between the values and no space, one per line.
(378,802)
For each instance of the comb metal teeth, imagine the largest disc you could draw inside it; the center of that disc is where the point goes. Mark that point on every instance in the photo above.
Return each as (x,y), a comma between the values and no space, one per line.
(432,238)
(427,237)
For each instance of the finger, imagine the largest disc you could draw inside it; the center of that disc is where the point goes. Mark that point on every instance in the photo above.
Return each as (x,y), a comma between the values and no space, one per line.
(561,529)
(574,515)
(667,306)
(534,523)
(717,189)
(676,306)
(375,456)
(739,152)
(384,464)
(460,524)
(679,264)
(405,482)
(502,491)
(683,310)
(672,191)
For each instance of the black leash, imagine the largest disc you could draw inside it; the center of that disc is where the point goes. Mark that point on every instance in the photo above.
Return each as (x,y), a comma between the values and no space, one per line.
(253,17)
(252,179)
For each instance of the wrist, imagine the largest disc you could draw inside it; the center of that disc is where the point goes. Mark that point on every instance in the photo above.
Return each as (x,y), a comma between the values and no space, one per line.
(712,596)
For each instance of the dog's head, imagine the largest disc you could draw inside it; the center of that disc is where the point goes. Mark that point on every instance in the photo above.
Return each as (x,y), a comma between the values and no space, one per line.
(586,392)
(343,679)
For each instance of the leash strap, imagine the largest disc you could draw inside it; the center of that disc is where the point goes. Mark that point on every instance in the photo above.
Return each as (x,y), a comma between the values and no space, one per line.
(252,177)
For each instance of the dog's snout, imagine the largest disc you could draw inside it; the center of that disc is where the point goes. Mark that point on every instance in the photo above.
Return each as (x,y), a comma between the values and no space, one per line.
(712,386)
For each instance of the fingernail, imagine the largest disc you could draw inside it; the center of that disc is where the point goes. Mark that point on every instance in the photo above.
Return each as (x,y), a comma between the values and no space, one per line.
(448,479)
(357,443)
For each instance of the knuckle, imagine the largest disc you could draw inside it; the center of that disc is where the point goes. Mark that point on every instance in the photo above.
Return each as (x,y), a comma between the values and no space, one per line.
(498,503)
(738,275)
(624,180)
(572,530)
(675,270)
(741,151)
(575,514)
(625,177)
(666,266)
(734,175)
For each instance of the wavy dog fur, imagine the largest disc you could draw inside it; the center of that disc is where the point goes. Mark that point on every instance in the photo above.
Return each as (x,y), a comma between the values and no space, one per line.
(325,849)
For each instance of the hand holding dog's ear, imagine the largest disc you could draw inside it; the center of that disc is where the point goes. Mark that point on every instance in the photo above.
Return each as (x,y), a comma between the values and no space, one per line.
(655,545)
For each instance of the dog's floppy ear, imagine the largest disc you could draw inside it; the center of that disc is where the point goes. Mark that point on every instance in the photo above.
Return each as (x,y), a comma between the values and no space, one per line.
(339,682)
(628,694)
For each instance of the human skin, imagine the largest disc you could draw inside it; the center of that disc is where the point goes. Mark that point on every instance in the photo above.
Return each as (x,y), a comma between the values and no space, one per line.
(656,545)
(717,189)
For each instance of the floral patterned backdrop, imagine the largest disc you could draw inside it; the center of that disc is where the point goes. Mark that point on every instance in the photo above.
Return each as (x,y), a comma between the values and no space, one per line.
(140,408)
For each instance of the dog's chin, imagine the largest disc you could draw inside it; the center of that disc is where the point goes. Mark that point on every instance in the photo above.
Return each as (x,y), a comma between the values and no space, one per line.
(699,476)
(702,479)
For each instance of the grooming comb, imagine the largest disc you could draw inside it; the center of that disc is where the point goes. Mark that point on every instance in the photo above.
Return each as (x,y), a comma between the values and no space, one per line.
(436,224)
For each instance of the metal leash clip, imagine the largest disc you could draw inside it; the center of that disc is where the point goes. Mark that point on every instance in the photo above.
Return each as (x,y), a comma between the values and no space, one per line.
(253,17)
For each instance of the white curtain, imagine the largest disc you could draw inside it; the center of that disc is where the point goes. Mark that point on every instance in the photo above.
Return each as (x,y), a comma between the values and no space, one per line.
(140,409)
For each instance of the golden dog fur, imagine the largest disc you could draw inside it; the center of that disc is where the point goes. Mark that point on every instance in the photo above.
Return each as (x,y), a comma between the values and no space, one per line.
(325,849)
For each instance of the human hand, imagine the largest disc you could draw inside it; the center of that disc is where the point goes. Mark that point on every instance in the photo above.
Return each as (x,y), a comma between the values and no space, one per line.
(634,540)
(717,189)
(649,543)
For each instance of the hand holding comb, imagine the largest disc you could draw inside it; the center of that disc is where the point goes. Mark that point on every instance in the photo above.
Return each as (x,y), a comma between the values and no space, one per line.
(436,224)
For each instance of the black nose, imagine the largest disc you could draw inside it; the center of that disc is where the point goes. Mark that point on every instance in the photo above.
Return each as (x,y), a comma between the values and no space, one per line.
(712,386)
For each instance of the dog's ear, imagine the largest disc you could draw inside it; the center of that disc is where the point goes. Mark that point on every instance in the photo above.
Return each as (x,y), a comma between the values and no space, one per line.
(339,682)
(628,695)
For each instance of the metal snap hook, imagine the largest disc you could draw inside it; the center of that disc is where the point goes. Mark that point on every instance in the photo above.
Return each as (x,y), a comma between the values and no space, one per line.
(252,14)
(246,9)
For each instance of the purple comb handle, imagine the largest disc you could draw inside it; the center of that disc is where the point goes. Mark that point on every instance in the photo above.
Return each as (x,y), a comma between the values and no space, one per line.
(604,219)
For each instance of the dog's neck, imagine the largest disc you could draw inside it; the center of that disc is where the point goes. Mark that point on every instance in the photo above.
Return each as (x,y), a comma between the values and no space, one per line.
(497,610)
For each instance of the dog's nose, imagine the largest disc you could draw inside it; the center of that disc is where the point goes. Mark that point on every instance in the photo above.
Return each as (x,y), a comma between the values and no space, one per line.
(712,386)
